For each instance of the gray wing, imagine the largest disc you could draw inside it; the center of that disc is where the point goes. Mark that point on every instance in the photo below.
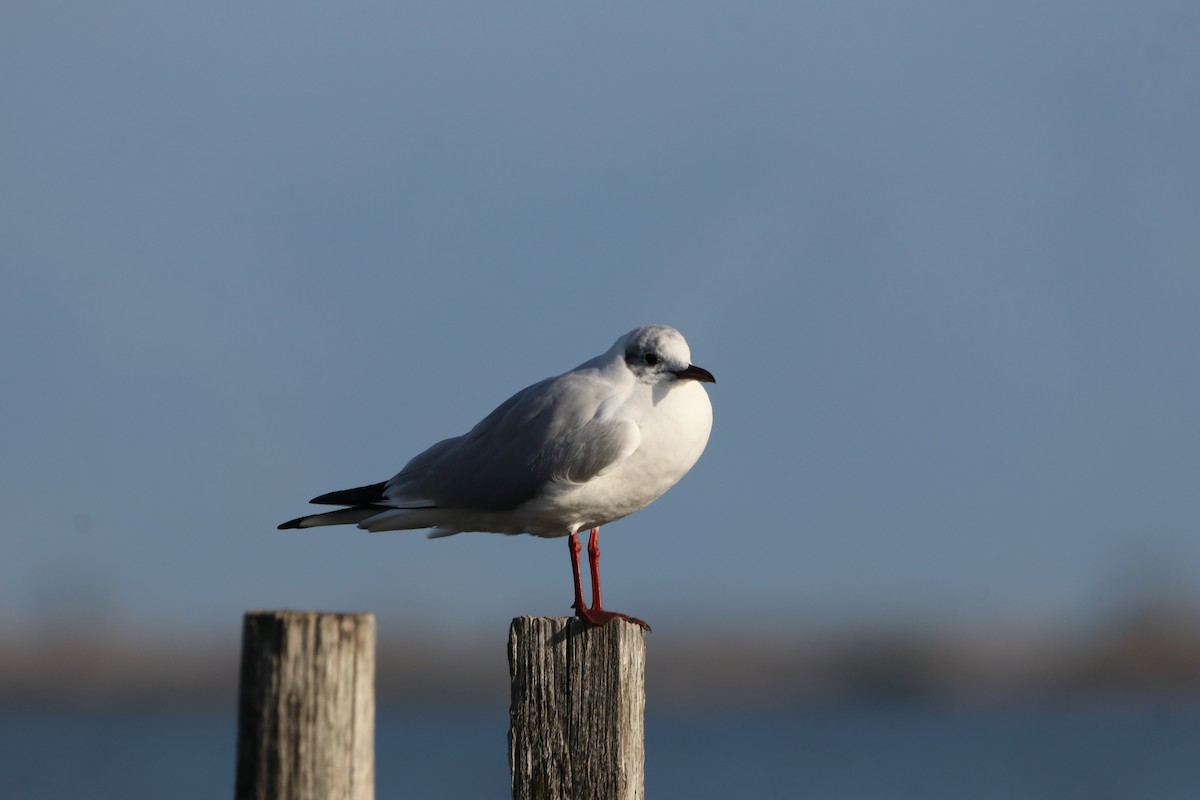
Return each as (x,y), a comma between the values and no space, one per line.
(547,433)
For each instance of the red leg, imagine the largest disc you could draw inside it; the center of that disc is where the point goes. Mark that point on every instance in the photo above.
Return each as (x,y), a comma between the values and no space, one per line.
(573,543)
(594,565)
(596,615)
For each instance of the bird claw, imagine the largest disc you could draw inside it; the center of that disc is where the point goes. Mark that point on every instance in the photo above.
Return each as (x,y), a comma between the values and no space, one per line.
(601,616)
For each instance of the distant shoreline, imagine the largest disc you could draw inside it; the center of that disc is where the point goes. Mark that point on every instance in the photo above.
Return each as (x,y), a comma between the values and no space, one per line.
(1151,657)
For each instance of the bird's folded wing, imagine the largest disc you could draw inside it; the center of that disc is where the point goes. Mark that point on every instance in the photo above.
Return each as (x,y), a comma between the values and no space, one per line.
(587,452)
(545,434)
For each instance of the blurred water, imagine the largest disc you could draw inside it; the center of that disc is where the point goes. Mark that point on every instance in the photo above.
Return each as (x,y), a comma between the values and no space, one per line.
(1142,750)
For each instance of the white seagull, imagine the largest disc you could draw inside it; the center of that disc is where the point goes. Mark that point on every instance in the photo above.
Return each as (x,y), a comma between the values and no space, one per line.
(566,454)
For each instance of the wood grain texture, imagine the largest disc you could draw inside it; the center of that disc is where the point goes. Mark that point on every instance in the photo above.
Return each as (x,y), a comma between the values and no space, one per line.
(306,707)
(578,707)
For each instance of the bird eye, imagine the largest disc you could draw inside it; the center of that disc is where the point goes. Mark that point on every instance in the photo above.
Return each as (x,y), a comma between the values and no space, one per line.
(651,359)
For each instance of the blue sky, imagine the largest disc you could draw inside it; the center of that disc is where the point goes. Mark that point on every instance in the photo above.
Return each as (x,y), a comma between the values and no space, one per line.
(943,259)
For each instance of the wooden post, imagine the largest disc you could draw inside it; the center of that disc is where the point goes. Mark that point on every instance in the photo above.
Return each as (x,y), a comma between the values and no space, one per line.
(578,707)
(306,706)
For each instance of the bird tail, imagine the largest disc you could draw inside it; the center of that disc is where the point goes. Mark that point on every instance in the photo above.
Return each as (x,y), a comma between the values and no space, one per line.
(343,516)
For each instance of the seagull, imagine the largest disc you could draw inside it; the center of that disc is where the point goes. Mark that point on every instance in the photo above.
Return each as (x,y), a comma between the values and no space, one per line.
(568,453)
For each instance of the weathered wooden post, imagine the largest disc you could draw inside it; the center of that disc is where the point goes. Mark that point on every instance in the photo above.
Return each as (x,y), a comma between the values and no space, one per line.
(306,706)
(578,708)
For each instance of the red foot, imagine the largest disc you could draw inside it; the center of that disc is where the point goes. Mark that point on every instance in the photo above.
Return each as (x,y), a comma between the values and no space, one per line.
(602,616)
(597,614)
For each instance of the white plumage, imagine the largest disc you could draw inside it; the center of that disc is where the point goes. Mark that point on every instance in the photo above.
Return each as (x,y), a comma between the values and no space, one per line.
(569,453)
(572,452)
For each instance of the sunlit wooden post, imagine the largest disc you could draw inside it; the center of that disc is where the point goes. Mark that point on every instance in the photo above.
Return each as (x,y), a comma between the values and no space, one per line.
(578,708)
(306,707)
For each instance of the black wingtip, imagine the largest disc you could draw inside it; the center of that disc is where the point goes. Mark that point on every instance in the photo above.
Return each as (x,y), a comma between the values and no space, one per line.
(291,523)
(361,496)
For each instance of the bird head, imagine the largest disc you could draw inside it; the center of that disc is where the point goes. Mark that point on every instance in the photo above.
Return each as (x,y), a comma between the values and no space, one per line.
(659,354)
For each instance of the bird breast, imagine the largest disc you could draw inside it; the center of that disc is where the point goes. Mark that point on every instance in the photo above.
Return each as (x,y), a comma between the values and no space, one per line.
(675,425)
